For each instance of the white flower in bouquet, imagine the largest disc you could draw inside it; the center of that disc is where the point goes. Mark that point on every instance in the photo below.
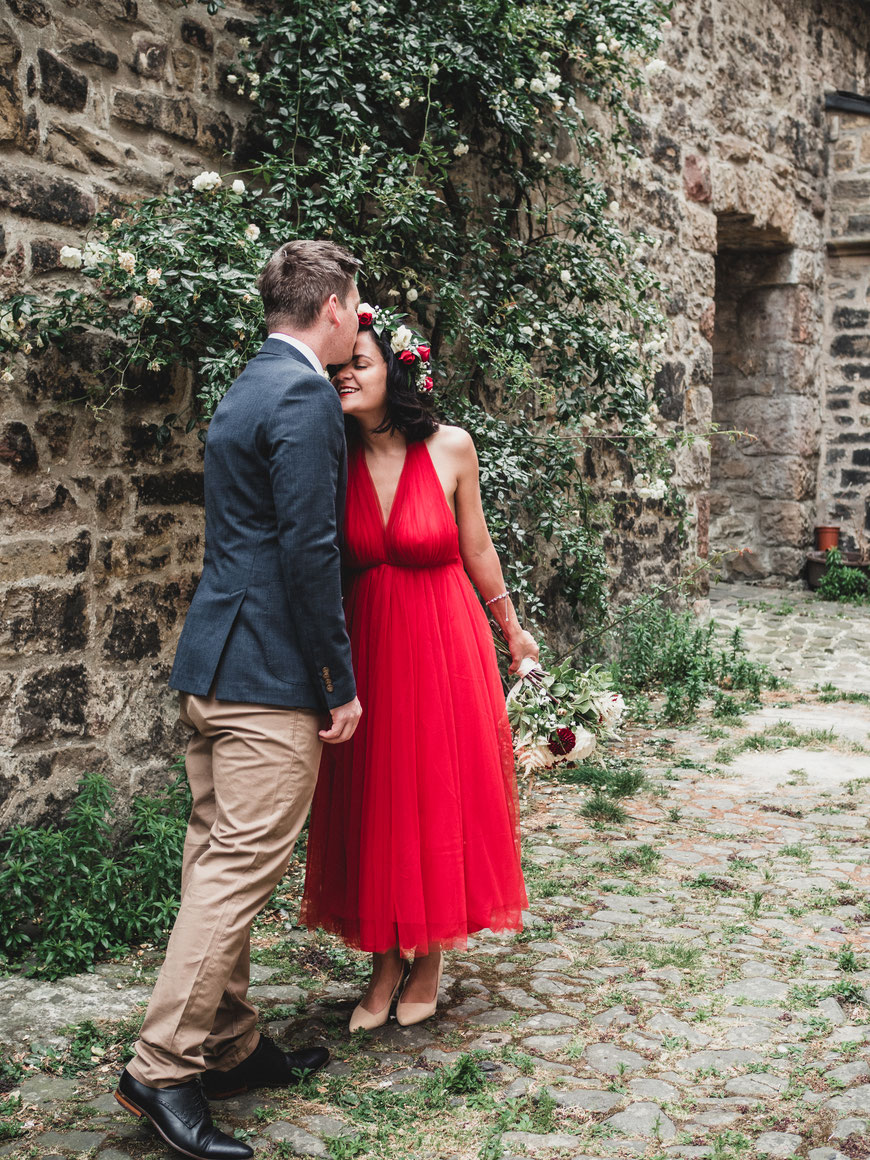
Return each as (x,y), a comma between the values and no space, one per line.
(205,181)
(532,755)
(71,257)
(610,708)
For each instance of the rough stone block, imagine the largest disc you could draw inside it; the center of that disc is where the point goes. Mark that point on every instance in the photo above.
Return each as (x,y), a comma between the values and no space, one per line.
(176,487)
(142,617)
(17,448)
(149,56)
(60,84)
(175,116)
(45,197)
(91,50)
(44,255)
(847,318)
(34,11)
(697,182)
(851,346)
(38,619)
(197,35)
(786,523)
(52,702)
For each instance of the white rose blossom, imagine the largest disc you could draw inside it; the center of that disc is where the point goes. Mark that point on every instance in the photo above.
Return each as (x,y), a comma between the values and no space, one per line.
(71,257)
(519,82)
(565,275)
(154,275)
(405,101)
(7,377)
(232,79)
(94,253)
(537,85)
(127,261)
(252,232)
(238,186)
(401,340)
(7,326)
(205,181)
(412,295)
(141,304)
(460,150)
(245,41)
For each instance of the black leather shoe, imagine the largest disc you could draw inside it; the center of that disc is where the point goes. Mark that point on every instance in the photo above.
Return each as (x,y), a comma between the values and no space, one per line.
(180,1116)
(266,1066)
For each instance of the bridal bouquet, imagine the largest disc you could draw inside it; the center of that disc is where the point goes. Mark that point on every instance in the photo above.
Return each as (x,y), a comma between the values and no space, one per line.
(561,715)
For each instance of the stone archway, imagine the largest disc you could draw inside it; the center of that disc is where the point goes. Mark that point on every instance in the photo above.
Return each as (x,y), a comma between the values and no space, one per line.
(765,356)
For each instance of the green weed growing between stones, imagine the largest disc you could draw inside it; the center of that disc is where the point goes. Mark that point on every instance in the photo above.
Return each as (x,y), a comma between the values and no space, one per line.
(89,888)
(659,648)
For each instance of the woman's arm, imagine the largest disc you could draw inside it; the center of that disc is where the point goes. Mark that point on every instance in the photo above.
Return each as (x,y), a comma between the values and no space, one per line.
(479,557)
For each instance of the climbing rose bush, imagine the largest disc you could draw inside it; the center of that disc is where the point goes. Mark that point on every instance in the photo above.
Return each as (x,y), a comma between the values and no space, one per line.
(458,150)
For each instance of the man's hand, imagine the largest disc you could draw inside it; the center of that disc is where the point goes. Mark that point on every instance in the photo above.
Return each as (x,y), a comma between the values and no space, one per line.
(345,719)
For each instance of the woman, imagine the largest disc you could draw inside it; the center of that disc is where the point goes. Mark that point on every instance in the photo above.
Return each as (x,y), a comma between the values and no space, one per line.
(413,841)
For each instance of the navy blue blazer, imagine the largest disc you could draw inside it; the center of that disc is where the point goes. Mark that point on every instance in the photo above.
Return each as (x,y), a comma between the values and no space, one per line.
(266,624)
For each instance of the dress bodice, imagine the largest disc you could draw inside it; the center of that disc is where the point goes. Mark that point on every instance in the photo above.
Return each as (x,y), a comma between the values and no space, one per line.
(420,532)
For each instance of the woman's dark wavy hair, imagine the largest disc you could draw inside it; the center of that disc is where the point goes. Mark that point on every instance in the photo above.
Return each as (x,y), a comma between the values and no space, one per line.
(408,412)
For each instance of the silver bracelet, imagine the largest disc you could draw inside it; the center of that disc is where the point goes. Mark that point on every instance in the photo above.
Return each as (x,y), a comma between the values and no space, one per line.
(495,599)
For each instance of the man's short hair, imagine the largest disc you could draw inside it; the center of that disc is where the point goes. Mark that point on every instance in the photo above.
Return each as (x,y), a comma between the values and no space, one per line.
(300,276)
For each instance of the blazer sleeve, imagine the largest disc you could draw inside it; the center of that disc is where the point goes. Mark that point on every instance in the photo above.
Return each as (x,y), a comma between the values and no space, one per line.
(306,453)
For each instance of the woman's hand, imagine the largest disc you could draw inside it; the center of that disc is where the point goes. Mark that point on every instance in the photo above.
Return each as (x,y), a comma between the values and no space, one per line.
(522,645)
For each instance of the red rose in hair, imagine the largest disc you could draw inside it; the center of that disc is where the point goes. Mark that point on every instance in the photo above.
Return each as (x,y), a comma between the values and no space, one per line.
(365,319)
(428,384)
(563,742)
(407,356)
(424,351)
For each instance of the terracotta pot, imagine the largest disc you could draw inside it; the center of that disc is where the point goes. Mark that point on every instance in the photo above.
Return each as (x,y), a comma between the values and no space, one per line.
(827,537)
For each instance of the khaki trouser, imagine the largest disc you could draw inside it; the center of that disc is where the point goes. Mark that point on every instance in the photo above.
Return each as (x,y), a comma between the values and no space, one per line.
(252,770)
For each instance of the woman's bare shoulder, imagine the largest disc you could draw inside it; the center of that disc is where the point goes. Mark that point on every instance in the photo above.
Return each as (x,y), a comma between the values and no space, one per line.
(452,440)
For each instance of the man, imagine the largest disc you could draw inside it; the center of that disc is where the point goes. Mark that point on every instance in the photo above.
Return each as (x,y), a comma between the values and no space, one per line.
(263,658)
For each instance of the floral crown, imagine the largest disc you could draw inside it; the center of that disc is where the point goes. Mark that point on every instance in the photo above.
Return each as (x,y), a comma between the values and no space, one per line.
(407,346)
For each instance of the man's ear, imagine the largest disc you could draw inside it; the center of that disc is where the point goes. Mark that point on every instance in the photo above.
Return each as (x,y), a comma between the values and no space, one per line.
(331,308)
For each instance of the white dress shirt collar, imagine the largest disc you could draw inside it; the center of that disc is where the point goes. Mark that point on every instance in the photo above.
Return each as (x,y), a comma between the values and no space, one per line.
(303,349)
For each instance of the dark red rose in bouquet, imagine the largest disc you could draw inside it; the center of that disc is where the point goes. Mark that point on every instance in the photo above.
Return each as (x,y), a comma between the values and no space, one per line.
(365,318)
(428,384)
(563,742)
(407,356)
(424,351)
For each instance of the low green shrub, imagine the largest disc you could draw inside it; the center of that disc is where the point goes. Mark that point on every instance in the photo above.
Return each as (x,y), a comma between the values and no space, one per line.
(840,582)
(87,889)
(661,649)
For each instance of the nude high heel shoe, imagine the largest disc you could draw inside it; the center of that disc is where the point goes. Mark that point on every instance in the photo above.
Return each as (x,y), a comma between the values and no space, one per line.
(408,1013)
(364,1020)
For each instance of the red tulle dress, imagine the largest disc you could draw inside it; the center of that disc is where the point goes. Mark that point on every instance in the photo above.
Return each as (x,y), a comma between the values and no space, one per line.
(414,835)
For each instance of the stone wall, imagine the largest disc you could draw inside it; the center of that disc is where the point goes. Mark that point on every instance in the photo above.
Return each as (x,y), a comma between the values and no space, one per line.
(844,480)
(101,101)
(734,180)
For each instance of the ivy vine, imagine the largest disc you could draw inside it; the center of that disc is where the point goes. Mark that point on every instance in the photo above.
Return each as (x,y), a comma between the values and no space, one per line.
(458,149)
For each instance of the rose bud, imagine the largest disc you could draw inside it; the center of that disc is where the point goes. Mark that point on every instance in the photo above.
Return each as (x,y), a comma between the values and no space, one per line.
(423,351)
(428,384)
(365,319)
(407,356)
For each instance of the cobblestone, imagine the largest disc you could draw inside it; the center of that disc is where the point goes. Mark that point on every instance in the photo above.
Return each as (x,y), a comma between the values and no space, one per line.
(663,1009)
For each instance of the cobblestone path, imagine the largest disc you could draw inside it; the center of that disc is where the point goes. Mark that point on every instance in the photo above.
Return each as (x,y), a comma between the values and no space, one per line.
(694,981)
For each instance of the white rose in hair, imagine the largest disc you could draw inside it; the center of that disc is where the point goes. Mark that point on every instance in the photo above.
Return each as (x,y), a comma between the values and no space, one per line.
(401,339)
